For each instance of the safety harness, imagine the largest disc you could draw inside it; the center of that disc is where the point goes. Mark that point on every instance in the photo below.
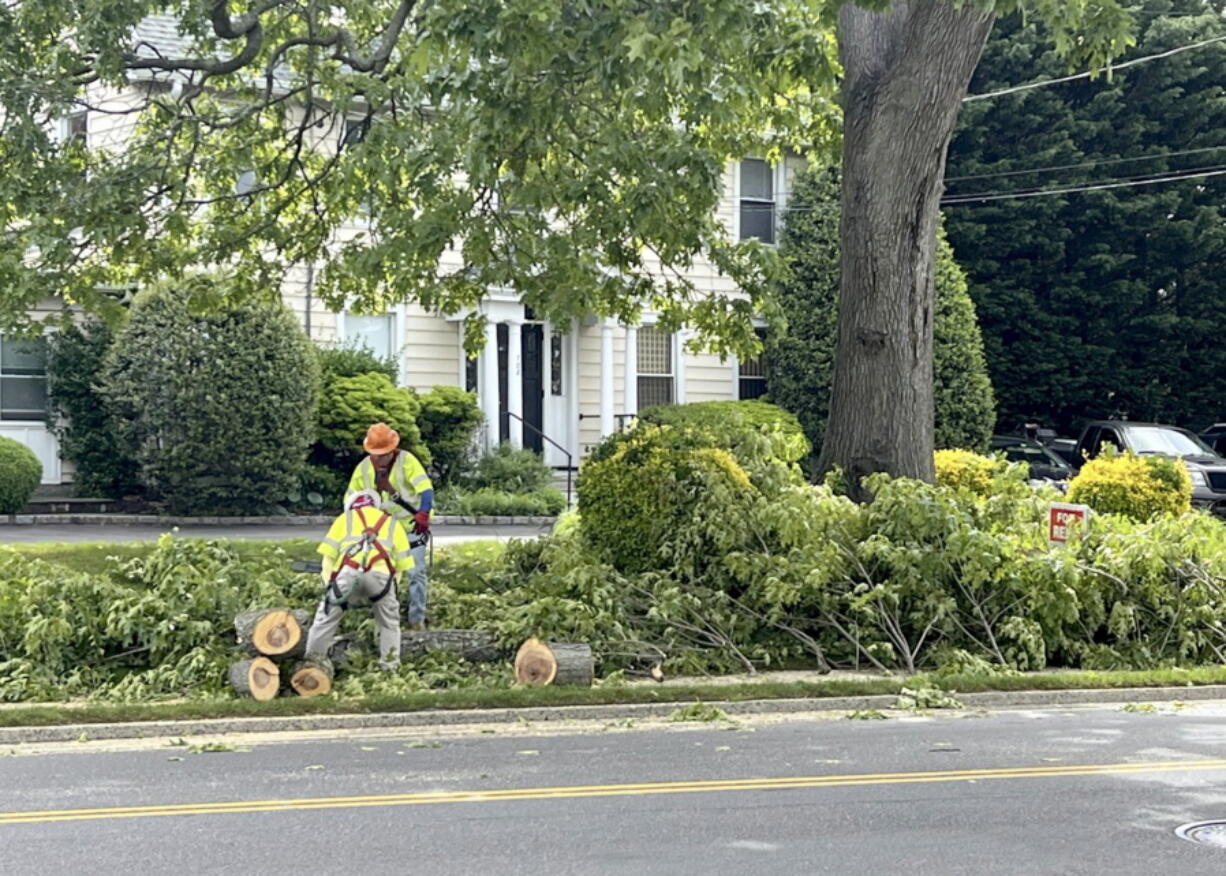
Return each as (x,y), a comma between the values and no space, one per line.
(368,543)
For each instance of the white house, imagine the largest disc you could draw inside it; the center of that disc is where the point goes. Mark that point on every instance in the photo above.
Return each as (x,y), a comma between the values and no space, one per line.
(557,389)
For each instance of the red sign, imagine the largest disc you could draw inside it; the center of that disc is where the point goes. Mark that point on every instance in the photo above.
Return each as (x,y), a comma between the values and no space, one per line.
(1063,518)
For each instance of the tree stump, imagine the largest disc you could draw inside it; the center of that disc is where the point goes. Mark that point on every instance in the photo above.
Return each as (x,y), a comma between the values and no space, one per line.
(540,663)
(475,646)
(258,678)
(313,676)
(273,632)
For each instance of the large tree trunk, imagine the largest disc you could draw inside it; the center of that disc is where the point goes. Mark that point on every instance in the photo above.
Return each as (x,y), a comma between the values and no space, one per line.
(905,74)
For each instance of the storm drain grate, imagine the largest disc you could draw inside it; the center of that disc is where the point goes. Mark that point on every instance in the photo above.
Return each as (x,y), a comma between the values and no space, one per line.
(1207,833)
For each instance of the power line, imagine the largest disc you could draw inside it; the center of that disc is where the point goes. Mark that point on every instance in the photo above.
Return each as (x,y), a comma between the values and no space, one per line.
(1112,68)
(1084,164)
(1200,173)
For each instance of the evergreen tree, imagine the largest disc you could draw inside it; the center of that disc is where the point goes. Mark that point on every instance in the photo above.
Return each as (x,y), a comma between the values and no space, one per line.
(802,359)
(1107,301)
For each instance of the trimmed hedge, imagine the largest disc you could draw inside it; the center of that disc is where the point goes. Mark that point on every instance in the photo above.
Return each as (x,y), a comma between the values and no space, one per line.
(510,471)
(1138,487)
(962,470)
(217,409)
(732,424)
(351,405)
(449,420)
(20,473)
(487,502)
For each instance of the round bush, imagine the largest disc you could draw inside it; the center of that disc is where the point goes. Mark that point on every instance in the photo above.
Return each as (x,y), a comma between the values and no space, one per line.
(20,473)
(508,470)
(217,408)
(449,420)
(965,471)
(1138,487)
(731,424)
(636,492)
(350,405)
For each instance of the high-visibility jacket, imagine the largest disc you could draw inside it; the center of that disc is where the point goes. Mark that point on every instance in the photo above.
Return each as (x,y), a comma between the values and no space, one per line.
(367,538)
(407,477)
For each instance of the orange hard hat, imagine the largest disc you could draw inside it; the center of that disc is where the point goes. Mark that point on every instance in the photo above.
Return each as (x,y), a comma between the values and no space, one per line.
(381,438)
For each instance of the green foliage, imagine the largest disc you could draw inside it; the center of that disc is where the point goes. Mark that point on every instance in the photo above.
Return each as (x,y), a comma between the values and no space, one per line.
(964,470)
(20,473)
(732,424)
(488,502)
(802,358)
(449,419)
(927,698)
(351,405)
(351,360)
(700,712)
(509,470)
(219,409)
(1139,487)
(1088,303)
(85,428)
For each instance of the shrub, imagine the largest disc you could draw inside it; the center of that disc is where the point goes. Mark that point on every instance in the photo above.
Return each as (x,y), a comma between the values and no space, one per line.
(351,360)
(217,409)
(486,502)
(511,471)
(802,359)
(20,473)
(350,405)
(1138,487)
(731,424)
(636,490)
(966,471)
(86,430)
(448,421)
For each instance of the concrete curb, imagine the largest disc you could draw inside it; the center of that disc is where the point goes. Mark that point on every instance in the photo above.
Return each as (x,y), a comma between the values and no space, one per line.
(285,520)
(451,717)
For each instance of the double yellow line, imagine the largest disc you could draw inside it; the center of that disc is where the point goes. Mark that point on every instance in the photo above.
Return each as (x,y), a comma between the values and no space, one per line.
(574,791)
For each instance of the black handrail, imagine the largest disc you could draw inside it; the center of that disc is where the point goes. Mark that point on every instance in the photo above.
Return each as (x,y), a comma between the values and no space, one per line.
(619,418)
(570,460)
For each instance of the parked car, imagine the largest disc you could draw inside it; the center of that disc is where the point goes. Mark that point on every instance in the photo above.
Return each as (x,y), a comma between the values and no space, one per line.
(1215,437)
(1044,465)
(1206,468)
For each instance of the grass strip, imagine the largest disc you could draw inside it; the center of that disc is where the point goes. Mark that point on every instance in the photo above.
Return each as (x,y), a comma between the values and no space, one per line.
(488,698)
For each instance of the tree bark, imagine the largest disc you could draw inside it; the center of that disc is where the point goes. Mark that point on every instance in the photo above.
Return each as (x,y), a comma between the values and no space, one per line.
(258,678)
(274,632)
(542,663)
(905,73)
(475,646)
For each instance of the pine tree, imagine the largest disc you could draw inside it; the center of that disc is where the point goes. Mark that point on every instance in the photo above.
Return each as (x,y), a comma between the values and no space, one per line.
(1110,301)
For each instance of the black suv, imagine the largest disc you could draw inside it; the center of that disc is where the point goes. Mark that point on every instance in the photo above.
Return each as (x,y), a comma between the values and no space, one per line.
(1207,469)
(1215,437)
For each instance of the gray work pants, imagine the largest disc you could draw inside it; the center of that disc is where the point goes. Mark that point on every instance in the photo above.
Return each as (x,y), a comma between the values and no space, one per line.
(418,586)
(386,610)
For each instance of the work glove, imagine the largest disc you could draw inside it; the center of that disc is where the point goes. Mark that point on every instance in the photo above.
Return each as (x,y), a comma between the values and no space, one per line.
(421,522)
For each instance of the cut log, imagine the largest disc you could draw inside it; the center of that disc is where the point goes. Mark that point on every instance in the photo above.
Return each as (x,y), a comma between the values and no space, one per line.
(273,632)
(540,663)
(475,646)
(312,677)
(258,678)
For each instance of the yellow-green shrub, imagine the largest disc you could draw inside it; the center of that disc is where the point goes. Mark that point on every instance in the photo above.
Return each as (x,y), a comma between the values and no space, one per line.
(966,471)
(1139,487)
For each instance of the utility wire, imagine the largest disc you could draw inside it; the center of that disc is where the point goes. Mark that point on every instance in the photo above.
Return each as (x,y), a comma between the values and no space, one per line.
(1111,68)
(1093,187)
(1095,163)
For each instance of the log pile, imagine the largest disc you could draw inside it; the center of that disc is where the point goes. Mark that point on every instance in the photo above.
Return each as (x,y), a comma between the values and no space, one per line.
(269,635)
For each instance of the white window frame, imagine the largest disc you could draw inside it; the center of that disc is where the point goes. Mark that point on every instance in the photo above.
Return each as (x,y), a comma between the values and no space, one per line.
(676,375)
(45,419)
(400,346)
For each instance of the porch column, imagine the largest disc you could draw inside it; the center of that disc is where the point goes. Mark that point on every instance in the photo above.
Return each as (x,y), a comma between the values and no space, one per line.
(515,383)
(606,378)
(570,378)
(488,385)
(632,370)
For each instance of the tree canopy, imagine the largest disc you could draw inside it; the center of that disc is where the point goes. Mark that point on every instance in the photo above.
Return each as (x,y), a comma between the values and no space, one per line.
(1112,300)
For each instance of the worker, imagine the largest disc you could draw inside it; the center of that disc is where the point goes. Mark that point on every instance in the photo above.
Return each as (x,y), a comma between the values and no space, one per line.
(405,491)
(364,550)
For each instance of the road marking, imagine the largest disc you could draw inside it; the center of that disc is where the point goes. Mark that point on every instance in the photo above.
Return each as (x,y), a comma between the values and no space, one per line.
(630,789)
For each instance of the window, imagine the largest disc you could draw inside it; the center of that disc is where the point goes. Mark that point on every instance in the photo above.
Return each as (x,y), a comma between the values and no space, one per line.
(757,198)
(23,380)
(555,364)
(354,132)
(751,375)
(375,333)
(655,367)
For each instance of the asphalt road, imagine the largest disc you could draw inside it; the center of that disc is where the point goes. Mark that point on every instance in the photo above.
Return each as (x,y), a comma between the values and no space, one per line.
(113,533)
(1086,791)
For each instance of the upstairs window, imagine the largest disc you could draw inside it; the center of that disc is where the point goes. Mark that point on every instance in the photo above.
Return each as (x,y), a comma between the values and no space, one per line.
(757,200)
